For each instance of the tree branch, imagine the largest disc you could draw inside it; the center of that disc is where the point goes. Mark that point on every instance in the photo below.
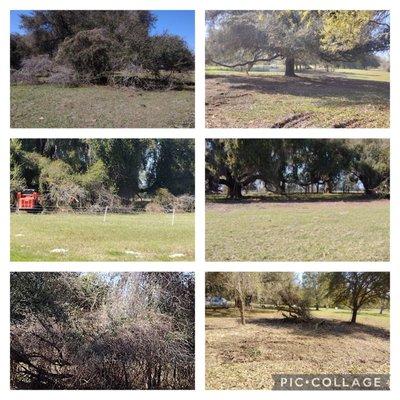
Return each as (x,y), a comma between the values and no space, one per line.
(242,64)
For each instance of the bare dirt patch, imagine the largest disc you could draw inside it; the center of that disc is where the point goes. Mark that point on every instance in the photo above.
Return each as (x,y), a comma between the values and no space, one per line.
(296,120)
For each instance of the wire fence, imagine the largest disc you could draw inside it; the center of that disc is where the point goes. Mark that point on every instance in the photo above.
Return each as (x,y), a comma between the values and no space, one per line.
(98,210)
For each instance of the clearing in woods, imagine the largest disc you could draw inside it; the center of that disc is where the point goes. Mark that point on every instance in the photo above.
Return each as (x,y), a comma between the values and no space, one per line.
(252,230)
(47,106)
(245,357)
(343,99)
(83,237)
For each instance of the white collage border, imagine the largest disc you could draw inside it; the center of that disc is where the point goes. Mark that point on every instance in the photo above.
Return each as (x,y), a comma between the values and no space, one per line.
(199,133)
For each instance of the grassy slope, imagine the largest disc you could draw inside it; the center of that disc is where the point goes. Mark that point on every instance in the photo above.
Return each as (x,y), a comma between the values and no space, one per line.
(47,106)
(345,98)
(88,238)
(245,357)
(320,231)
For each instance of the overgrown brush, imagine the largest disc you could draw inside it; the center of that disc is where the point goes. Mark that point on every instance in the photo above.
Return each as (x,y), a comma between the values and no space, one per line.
(102,331)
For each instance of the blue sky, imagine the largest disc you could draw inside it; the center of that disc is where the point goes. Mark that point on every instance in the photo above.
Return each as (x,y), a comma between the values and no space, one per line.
(177,22)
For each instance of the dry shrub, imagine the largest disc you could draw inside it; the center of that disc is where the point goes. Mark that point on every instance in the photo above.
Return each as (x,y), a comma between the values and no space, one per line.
(292,306)
(154,207)
(184,203)
(123,331)
(34,70)
(40,66)
(164,198)
(63,75)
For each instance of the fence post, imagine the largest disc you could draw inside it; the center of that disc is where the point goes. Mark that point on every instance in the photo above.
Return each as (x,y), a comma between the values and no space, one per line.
(105,214)
(173,217)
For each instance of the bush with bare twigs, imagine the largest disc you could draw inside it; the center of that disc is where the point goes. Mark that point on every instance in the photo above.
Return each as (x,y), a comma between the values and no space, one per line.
(102,331)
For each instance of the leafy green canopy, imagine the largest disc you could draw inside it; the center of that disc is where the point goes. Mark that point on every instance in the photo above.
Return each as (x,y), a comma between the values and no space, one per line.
(294,294)
(100,171)
(243,38)
(297,165)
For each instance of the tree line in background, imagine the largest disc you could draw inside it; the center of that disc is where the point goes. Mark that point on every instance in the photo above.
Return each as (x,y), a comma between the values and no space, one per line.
(287,166)
(94,173)
(295,294)
(102,331)
(87,46)
(300,38)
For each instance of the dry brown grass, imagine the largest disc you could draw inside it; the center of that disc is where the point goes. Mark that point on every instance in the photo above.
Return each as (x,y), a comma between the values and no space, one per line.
(245,357)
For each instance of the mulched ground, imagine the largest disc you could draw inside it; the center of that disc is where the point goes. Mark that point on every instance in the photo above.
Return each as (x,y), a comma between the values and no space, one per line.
(245,357)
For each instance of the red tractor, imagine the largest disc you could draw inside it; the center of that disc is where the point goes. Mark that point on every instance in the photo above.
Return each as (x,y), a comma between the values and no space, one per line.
(28,200)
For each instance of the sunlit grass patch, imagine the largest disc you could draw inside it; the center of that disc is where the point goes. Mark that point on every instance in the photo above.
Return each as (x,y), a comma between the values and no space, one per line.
(47,106)
(319,231)
(79,237)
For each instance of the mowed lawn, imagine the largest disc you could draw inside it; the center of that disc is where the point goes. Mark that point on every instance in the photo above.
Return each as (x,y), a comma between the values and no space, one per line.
(341,99)
(46,106)
(296,231)
(79,237)
(246,357)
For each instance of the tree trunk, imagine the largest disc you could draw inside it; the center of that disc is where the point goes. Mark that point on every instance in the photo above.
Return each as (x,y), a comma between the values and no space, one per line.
(235,191)
(249,67)
(354,315)
(368,191)
(149,377)
(329,186)
(241,309)
(159,377)
(317,307)
(282,187)
(289,67)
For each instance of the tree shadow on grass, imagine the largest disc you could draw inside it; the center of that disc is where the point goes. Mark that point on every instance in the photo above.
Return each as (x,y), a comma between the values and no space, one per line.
(297,198)
(320,327)
(346,91)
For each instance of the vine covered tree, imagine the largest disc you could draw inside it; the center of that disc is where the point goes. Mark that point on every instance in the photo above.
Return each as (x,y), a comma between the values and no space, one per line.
(101,172)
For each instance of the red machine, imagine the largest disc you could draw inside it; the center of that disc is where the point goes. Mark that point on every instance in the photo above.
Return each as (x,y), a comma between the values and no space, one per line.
(28,200)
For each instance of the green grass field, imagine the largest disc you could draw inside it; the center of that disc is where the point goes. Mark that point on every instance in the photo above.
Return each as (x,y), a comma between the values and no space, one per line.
(371,317)
(298,231)
(141,237)
(368,75)
(46,106)
(339,99)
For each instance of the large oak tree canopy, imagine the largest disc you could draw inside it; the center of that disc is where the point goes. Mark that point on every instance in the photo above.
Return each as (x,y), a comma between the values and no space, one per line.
(244,38)
(357,289)
(297,164)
